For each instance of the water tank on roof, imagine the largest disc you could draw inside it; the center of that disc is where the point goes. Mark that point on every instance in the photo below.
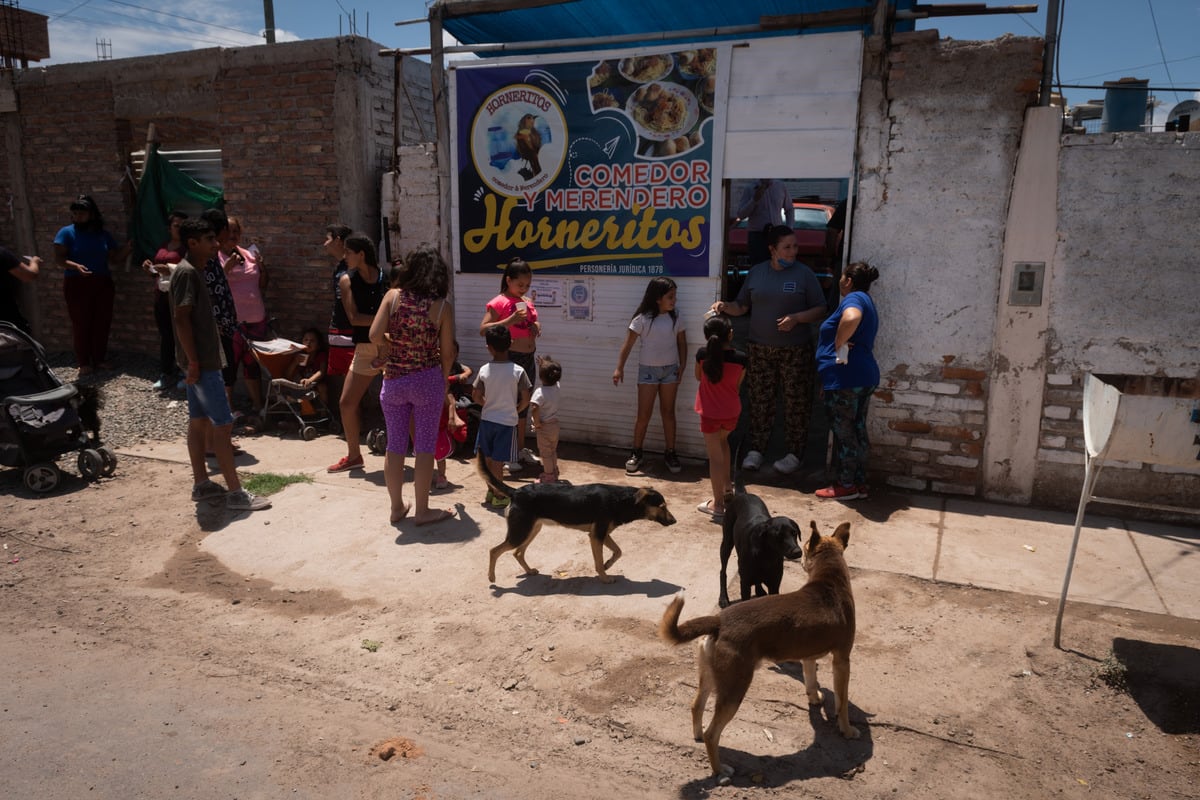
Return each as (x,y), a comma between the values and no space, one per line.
(1124,105)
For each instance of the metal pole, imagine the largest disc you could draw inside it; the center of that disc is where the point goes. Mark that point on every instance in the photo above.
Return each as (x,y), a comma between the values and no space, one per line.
(1091,472)
(441,118)
(1051,51)
(269,21)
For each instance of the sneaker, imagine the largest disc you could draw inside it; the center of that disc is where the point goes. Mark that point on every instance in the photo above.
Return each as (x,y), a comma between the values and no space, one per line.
(513,467)
(862,491)
(752,461)
(488,498)
(634,462)
(499,501)
(672,461)
(346,463)
(242,500)
(207,490)
(527,456)
(788,464)
(839,492)
(160,384)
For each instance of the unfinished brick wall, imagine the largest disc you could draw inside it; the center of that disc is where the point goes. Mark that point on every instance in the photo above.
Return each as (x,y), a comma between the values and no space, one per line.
(305,130)
(939,132)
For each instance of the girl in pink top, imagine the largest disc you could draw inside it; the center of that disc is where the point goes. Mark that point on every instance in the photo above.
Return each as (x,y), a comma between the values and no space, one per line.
(719,369)
(247,277)
(513,308)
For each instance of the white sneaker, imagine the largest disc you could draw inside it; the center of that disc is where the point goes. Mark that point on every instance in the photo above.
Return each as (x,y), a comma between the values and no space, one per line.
(788,464)
(513,467)
(242,500)
(752,461)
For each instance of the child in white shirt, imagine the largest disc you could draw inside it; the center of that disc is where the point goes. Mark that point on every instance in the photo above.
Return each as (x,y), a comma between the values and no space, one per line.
(545,417)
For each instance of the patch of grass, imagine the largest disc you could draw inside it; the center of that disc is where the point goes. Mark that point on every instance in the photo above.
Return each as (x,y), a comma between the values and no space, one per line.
(370,645)
(268,483)
(1113,673)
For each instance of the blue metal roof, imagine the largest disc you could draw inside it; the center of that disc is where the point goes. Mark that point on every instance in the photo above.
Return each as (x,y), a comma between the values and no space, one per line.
(596,18)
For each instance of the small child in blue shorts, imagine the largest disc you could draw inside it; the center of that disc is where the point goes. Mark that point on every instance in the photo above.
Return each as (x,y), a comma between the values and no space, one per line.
(502,389)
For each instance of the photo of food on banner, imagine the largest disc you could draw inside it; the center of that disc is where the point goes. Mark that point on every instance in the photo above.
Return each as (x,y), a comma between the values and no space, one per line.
(667,96)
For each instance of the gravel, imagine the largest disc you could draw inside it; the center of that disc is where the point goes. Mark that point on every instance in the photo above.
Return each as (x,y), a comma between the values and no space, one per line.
(134,412)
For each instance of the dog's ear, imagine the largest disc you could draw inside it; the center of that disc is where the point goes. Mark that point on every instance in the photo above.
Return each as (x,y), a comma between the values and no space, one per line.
(641,495)
(814,539)
(842,534)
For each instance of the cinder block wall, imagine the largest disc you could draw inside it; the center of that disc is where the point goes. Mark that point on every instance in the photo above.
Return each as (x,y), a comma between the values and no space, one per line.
(305,130)
(939,131)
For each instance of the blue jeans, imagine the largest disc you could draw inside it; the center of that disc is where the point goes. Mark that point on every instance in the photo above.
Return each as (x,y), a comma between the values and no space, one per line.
(206,398)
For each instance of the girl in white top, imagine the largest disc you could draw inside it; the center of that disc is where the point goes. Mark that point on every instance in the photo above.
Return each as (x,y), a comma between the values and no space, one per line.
(664,348)
(544,416)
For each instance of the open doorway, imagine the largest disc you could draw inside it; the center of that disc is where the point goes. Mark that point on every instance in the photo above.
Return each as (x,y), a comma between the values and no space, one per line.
(816,210)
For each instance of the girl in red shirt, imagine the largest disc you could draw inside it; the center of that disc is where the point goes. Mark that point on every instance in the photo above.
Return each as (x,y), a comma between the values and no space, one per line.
(719,369)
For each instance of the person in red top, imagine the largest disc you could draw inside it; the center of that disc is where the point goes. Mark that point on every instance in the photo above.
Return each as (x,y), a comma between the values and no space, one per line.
(160,267)
(719,369)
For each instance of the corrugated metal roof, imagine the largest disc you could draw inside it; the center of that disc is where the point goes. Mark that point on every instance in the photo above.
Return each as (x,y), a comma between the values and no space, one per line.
(591,18)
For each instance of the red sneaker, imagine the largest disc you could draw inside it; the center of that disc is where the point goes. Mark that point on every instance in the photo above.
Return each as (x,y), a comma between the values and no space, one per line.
(839,492)
(346,463)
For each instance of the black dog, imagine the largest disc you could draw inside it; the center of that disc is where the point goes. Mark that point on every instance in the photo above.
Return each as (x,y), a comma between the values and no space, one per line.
(762,543)
(91,401)
(597,508)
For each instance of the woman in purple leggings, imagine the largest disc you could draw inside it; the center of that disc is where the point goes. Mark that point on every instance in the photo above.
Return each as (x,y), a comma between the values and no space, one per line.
(414,327)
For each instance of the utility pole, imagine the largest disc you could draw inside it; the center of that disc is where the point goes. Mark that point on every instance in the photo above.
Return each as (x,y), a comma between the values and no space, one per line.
(269,21)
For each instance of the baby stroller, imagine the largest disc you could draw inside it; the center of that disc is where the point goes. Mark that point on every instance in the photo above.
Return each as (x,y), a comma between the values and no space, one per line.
(285,399)
(41,417)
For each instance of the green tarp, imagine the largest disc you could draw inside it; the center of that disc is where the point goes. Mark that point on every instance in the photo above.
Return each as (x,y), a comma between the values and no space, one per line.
(163,188)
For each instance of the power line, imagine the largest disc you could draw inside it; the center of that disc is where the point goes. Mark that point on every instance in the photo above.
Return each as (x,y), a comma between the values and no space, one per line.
(180,16)
(1161,53)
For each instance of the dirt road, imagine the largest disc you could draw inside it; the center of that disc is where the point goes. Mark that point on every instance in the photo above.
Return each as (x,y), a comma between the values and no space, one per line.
(137,664)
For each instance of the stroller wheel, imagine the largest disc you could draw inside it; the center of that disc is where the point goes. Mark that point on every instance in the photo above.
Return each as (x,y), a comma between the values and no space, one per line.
(110,461)
(380,442)
(41,477)
(91,464)
(308,433)
(371,440)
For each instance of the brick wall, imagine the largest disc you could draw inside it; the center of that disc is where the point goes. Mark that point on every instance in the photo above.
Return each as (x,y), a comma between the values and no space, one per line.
(939,131)
(305,130)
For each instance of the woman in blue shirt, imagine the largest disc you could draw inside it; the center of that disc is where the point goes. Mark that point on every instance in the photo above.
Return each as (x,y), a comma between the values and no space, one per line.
(849,378)
(84,250)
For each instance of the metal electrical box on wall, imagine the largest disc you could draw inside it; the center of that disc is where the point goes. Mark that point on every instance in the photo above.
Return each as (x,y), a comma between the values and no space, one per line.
(1028,277)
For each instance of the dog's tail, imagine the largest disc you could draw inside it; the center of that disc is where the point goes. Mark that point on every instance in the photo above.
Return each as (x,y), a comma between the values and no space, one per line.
(495,484)
(670,631)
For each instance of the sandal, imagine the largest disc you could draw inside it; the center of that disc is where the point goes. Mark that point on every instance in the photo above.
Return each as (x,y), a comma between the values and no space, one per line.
(706,508)
(436,515)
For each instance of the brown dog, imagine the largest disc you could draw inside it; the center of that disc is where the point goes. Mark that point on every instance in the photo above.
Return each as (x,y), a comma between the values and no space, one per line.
(804,625)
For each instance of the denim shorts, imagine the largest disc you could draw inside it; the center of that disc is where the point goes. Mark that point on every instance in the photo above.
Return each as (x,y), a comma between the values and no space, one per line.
(206,399)
(496,441)
(667,374)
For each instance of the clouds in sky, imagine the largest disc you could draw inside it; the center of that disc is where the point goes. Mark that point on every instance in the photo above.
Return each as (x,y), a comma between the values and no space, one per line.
(134,29)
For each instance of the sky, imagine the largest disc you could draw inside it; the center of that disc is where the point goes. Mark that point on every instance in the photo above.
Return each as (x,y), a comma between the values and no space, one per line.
(1101,40)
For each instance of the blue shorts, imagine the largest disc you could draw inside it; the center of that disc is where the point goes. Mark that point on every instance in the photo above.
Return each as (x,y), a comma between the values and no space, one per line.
(497,442)
(667,374)
(206,399)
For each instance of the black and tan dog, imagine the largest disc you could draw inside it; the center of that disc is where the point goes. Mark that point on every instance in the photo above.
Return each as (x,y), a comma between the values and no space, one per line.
(762,543)
(597,508)
(804,625)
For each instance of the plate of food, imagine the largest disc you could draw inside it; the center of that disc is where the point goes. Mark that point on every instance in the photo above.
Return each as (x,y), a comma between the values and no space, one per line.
(643,69)
(697,63)
(706,91)
(605,98)
(662,111)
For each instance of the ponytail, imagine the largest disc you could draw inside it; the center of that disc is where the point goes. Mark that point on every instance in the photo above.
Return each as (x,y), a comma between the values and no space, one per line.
(717,331)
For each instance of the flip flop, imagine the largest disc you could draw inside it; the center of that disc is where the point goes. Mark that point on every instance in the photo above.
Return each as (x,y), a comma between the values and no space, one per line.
(440,515)
(706,509)
(403,514)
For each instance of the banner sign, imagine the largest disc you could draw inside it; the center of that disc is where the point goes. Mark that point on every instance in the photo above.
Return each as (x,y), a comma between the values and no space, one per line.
(595,167)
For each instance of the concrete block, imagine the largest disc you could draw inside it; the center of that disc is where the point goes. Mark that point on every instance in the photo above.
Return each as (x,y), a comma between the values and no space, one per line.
(939,387)
(1060,456)
(1057,442)
(1060,379)
(961,403)
(905,482)
(958,461)
(914,399)
(953,488)
(1168,470)
(1056,412)
(931,444)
